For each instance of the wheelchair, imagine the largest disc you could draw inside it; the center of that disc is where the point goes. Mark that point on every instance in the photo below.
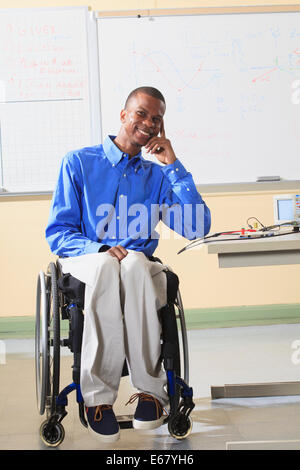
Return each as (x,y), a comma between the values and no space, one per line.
(61,296)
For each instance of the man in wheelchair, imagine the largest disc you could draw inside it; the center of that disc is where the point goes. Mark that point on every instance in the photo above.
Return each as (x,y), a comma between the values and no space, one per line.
(106,205)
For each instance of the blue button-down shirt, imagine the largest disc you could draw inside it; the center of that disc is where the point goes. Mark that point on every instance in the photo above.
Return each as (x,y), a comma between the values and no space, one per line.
(104,198)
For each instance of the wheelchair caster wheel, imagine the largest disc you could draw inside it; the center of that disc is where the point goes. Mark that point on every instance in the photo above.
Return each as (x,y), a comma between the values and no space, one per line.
(180,426)
(52,434)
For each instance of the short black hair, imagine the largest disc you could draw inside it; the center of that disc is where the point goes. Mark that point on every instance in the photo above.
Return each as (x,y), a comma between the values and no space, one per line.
(148,90)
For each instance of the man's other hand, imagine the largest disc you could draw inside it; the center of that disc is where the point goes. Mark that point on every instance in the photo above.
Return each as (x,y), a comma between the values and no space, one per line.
(118,251)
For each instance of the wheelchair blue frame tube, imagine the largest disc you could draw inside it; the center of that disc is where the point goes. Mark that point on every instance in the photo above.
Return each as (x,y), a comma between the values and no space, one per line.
(62,399)
(173,380)
(186,390)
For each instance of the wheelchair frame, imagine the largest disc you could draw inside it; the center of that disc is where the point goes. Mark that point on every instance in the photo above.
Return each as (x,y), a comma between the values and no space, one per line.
(51,305)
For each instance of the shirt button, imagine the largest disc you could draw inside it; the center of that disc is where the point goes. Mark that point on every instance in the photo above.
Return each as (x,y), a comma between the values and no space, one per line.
(124,175)
(187,189)
(176,169)
(172,171)
(113,164)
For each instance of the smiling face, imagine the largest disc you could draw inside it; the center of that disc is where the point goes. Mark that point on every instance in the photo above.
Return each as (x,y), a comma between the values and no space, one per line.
(141,119)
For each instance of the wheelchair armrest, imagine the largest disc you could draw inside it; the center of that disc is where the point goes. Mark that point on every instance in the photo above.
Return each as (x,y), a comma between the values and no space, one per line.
(72,289)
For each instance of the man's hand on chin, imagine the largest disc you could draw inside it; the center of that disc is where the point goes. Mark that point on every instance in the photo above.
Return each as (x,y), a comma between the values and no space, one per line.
(161,147)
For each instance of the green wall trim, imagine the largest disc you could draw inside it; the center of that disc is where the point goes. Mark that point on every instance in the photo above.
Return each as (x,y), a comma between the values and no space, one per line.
(245,315)
(197,318)
(22,327)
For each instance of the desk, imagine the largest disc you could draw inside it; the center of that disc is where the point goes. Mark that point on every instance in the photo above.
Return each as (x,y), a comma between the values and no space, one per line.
(284,249)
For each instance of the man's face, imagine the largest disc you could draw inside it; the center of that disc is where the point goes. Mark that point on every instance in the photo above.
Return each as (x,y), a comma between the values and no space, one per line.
(142,118)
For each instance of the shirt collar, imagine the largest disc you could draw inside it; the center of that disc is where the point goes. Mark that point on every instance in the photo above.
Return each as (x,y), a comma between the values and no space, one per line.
(113,153)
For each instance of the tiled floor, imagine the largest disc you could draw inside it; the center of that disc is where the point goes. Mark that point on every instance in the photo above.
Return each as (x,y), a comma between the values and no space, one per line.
(217,357)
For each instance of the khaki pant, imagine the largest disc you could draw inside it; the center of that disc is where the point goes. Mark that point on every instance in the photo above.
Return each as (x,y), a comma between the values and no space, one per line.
(121,321)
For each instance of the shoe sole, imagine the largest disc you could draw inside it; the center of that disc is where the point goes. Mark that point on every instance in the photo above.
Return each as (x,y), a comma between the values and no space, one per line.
(146,425)
(104,437)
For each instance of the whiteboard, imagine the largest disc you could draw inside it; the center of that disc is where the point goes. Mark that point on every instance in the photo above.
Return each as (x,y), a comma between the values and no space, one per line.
(228,83)
(45,93)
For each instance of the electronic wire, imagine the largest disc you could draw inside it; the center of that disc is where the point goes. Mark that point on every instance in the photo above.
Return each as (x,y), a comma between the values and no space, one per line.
(203,240)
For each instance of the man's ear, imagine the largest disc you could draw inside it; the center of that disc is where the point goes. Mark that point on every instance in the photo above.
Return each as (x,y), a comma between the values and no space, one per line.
(123,115)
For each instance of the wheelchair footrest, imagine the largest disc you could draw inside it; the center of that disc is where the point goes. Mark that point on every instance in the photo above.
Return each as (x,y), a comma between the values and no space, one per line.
(125,421)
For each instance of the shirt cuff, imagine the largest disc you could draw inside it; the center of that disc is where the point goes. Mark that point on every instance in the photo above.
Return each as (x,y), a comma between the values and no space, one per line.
(104,248)
(175,171)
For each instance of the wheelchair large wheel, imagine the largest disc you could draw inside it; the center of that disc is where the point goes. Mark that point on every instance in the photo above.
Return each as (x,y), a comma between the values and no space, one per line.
(47,341)
(184,340)
(41,343)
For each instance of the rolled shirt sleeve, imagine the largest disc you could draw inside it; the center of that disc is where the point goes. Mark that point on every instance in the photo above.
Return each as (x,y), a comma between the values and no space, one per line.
(183,209)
